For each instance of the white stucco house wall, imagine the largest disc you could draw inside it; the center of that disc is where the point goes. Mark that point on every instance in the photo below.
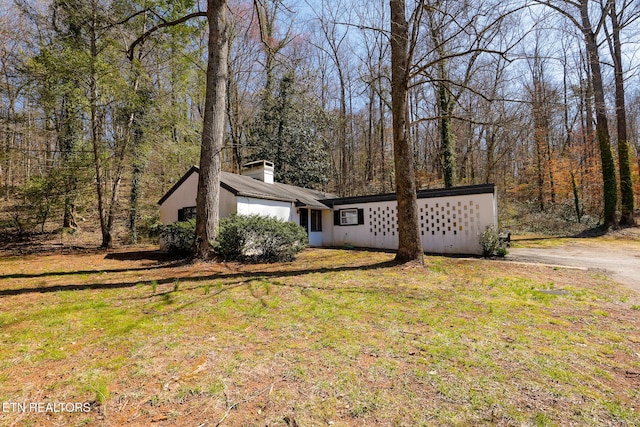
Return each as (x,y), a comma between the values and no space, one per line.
(253,192)
(451,220)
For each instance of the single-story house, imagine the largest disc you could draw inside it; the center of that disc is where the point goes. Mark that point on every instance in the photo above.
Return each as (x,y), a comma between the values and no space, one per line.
(451,219)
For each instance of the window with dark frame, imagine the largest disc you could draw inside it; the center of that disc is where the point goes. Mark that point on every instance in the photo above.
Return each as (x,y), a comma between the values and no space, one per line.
(185,214)
(348,216)
(316,220)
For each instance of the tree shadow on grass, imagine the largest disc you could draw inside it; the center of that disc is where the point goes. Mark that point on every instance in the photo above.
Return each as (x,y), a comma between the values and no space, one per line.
(145,255)
(247,276)
(96,271)
(166,260)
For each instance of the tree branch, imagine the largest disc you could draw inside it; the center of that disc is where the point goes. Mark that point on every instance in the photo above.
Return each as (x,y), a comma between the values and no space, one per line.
(165,24)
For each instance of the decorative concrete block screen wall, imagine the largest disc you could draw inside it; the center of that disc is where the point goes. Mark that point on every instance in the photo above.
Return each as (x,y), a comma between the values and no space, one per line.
(451,220)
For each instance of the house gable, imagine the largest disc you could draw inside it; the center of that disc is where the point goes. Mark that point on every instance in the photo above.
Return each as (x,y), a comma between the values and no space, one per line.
(241,194)
(178,184)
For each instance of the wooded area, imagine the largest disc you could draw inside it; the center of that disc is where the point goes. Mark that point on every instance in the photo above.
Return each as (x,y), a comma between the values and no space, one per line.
(103,103)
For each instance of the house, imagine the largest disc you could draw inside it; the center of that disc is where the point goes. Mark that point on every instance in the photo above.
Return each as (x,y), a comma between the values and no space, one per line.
(451,219)
(253,192)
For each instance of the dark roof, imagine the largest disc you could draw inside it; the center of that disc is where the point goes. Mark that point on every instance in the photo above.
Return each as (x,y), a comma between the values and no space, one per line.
(421,194)
(240,185)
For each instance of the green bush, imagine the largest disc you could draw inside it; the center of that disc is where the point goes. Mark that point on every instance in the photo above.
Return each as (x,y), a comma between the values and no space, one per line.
(491,243)
(257,238)
(150,226)
(178,238)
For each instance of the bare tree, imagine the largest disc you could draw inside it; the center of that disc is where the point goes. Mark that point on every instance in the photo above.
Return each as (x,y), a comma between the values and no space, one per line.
(335,37)
(243,55)
(618,20)
(208,198)
(409,246)
(578,13)
(212,142)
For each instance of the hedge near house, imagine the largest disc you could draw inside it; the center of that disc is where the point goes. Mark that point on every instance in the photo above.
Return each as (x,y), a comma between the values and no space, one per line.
(256,238)
(178,238)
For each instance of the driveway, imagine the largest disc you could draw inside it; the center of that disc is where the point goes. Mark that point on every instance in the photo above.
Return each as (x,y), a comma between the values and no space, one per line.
(619,261)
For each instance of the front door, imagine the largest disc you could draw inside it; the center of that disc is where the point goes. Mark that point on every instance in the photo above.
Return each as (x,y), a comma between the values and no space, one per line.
(304,219)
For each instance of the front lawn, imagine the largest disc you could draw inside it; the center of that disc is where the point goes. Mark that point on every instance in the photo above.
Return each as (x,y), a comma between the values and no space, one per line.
(337,337)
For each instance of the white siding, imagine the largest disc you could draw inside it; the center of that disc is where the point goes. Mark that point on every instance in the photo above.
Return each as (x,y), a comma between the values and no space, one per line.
(185,196)
(274,208)
(451,224)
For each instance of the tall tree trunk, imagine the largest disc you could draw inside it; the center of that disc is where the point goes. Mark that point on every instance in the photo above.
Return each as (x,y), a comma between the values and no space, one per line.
(446,136)
(602,128)
(345,182)
(626,183)
(96,136)
(234,117)
(368,175)
(69,133)
(136,133)
(134,199)
(9,144)
(540,177)
(552,182)
(409,244)
(576,197)
(445,105)
(381,133)
(207,200)
(539,134)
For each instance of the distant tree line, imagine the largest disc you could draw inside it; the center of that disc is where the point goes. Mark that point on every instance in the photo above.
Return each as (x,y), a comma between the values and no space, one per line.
(103,102)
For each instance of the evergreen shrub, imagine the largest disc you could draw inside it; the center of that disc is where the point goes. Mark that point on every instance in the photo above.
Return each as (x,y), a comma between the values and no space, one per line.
(491,243)
(178,238)
(257,238)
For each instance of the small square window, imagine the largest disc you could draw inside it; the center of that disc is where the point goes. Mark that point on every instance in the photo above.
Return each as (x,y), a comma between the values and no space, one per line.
(348,216)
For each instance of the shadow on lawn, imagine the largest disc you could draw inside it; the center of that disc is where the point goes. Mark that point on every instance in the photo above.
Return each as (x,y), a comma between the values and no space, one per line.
(169,261)
(96,271)
(147,255)
(247,276)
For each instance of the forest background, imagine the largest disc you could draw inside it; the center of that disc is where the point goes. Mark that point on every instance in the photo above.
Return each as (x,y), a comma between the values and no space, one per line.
(102,104)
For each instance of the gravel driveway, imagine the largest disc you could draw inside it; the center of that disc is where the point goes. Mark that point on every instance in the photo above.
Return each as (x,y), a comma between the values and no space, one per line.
(619,262)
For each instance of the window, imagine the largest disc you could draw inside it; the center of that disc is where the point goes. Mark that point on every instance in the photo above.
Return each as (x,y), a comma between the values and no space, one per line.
(351,216)
(348,216)
(316,220)
(187,213)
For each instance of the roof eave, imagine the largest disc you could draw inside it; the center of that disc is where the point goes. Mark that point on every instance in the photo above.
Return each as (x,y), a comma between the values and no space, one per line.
(422,194)
(178,184)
